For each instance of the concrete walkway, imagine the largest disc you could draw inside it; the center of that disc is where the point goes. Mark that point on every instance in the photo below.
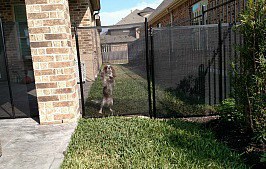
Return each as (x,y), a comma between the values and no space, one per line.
(28,145)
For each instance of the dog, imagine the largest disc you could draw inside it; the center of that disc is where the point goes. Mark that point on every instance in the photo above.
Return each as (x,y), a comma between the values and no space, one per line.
(108,75)
(108,71)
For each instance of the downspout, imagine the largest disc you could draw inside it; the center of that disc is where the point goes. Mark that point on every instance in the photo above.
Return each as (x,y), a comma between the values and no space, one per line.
(96,40)
(171,18)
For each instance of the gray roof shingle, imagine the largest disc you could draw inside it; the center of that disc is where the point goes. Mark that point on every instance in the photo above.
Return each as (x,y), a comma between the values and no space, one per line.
(134,16)
(148,9)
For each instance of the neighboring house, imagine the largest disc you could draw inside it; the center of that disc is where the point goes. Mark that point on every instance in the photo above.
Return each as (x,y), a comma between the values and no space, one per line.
(173,12)
(114,42)
(39,39)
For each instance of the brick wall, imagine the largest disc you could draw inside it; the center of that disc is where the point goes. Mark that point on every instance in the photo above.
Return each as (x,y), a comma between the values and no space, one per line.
(6,10)
(182,12)
(164,21)
(226,13)
(53,60)
(82,15)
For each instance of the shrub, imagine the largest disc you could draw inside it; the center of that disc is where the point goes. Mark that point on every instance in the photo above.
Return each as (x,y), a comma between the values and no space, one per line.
(263,158)
(250,75)
(174,105)
(229,112)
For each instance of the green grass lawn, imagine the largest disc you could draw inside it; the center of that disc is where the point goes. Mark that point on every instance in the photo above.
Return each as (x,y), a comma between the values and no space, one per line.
(131,97)
(120,142)
(130,94)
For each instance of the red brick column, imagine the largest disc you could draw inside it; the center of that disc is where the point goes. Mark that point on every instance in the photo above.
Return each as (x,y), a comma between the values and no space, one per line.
(53,60)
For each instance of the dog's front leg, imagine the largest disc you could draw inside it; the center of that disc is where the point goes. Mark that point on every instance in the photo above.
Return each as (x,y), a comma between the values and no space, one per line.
(101,110)
(111,104)
(111,110)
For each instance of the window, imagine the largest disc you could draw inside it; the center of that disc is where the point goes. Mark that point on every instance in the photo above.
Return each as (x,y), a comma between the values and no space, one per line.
(197,11)
(22,28)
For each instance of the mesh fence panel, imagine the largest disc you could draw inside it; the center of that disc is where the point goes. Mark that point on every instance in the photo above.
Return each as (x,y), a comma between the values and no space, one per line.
(188,67)
(192,69)
(124,49)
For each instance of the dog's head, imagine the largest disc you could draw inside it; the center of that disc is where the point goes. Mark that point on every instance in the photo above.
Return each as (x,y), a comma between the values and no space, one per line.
(108,69)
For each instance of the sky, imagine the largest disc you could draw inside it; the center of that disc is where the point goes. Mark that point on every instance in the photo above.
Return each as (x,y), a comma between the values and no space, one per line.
(112,11)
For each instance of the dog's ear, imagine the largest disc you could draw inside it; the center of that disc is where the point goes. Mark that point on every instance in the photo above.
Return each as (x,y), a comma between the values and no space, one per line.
(113,71)
(102,74)
(105,69)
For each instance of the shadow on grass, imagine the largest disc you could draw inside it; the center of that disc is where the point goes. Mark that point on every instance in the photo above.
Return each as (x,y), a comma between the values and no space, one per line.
(137,68)
(200,145)
(174,103)
(117,142)
(120,108)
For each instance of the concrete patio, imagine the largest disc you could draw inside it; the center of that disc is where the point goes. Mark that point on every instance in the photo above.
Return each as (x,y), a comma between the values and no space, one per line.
(26,144)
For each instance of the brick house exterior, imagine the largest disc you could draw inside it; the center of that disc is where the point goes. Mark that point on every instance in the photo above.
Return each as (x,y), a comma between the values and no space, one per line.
(173,12)
(53,51)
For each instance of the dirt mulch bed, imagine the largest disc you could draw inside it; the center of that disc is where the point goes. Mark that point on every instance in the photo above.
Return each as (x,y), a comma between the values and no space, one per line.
(236,138)
(239,140)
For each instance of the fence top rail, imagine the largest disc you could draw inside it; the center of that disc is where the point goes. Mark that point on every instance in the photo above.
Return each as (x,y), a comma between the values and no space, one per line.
(111,26)
(190,27)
